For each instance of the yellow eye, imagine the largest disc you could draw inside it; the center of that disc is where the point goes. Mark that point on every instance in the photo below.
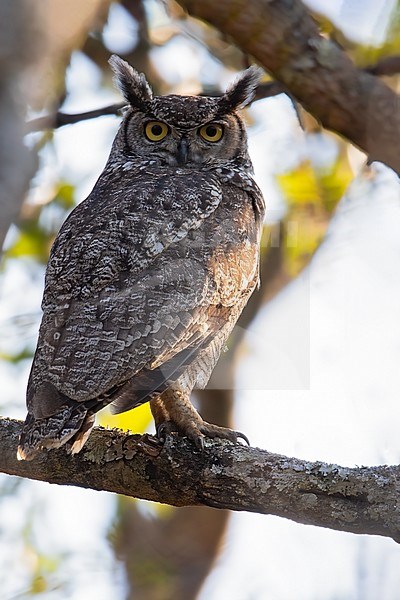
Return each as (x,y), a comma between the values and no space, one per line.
(212,132)
(156,130)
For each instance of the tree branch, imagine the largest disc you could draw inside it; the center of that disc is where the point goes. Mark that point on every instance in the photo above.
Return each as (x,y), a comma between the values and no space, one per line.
(359,500)
(60,119)
(390,65)
(284,38)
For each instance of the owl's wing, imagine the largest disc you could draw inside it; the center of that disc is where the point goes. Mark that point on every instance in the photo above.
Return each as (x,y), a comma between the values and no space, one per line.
(123,292)
(126,222)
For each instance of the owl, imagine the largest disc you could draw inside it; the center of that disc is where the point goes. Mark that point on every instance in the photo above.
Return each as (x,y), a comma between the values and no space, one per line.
(149,274)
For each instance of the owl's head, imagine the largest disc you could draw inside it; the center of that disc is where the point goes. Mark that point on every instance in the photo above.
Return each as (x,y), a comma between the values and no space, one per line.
(182,130)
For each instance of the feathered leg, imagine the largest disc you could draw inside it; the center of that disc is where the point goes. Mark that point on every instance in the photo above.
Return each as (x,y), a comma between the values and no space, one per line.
(173,411)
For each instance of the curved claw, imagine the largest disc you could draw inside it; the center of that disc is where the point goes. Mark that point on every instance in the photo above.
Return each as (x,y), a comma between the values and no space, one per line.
(199,441)
(165,429)
(162,431)
(241,436)
(223,433)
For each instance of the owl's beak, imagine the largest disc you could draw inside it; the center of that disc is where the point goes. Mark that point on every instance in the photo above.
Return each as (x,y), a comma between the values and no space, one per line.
(183,151)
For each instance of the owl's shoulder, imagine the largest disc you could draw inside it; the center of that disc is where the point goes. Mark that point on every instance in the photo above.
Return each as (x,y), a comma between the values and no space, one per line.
(237,180)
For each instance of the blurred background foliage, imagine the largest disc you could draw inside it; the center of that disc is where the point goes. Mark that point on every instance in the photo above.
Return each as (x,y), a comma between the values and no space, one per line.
(164,552)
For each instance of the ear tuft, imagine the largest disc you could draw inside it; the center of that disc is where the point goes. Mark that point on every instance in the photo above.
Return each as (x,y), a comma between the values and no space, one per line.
(133,85)
(242,91)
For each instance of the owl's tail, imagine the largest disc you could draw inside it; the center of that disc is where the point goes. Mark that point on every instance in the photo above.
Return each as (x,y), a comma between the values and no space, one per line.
(72,423)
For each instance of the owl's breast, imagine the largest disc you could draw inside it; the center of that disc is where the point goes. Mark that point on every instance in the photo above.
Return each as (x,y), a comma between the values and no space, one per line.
(234,259)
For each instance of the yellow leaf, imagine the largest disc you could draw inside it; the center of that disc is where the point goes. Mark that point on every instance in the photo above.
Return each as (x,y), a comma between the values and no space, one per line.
(38,585)
(300,186)
(137,420)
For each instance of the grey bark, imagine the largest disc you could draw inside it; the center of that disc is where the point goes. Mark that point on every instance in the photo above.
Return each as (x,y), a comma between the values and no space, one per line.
(362,500)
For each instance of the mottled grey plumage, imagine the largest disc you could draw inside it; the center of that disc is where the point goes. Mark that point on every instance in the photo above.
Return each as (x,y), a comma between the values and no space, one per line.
(148,275)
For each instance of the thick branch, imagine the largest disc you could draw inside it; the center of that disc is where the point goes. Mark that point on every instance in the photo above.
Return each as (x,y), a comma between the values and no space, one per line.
(285,39)
(361,500)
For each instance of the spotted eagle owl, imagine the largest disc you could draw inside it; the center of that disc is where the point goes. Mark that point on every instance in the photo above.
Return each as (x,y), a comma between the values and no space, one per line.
(149,274)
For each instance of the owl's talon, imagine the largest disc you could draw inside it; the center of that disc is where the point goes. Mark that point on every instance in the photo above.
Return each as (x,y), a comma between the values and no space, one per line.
(223,433)
(164,430)
(206,430)
(167,428)
(174,413)
(199,441)
(242,436)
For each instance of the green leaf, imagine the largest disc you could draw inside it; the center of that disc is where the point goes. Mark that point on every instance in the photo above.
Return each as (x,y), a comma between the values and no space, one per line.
(65,196)
(26,353)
